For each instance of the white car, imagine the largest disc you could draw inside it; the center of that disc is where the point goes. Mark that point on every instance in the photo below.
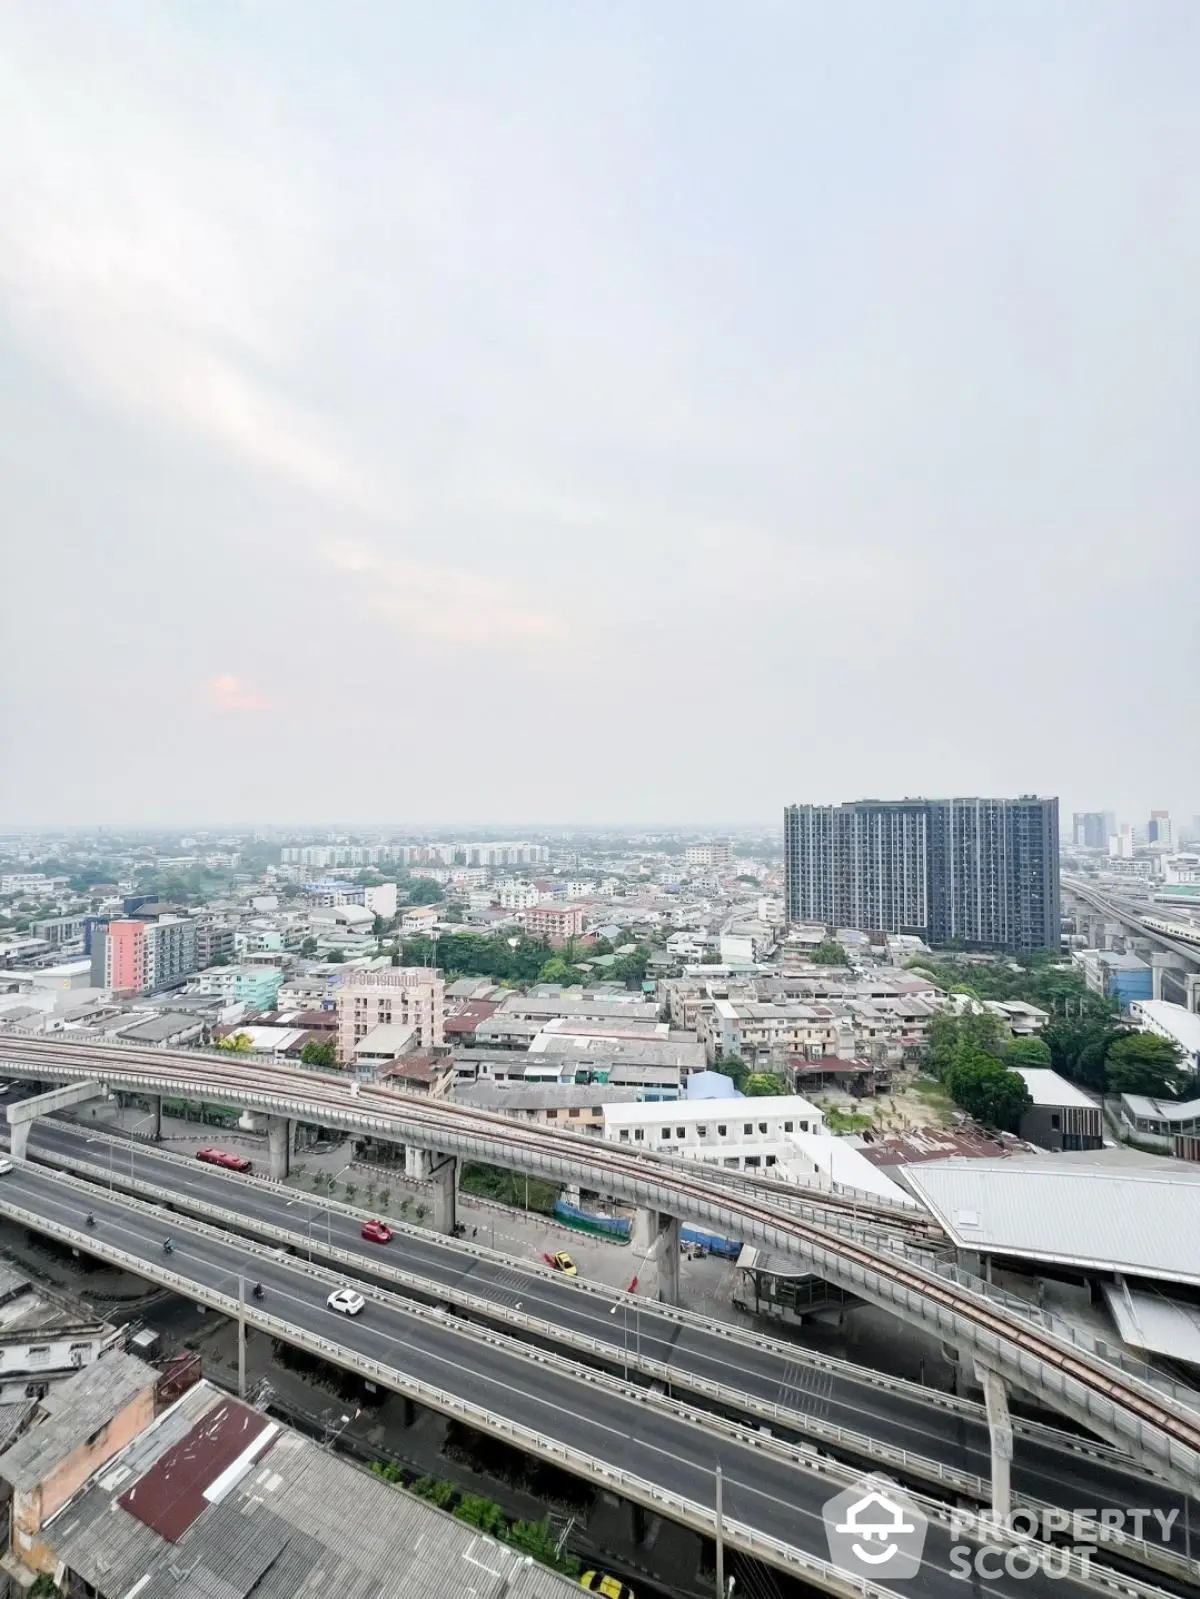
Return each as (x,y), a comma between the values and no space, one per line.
(6,1166)
(346,1300)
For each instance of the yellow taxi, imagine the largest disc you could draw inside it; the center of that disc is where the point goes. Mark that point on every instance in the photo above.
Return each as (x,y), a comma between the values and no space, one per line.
(565,1264)
(611,1587)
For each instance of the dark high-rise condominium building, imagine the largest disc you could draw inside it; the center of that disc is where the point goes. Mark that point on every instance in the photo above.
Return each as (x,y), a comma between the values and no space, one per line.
(980,871)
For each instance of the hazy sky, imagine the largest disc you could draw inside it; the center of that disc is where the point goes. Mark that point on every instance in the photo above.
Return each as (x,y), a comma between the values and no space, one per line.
(580,411)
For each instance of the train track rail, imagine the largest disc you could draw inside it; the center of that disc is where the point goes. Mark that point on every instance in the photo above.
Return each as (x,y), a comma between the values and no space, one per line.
(1020,1347)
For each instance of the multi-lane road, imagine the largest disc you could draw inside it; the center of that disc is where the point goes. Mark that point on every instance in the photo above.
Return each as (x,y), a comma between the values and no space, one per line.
(602,1424)
(812,1393)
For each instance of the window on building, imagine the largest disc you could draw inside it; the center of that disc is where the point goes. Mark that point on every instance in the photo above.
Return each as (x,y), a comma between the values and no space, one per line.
(787,1127)
(702,1131)
(1056,1122)
(552,1115)
(664,1132)
(623,1135)
(752,1161)
(638,1135)
(762,1127)
(722,1129)
(747,1128)
(681,1132)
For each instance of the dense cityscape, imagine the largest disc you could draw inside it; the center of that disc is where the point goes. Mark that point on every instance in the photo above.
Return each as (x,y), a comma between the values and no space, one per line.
(599,805)
(966,1026)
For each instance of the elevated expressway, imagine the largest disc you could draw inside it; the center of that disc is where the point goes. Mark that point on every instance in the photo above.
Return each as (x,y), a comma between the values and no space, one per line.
(1132,915)
(936,1440)
(1157,1424)
(653,1451)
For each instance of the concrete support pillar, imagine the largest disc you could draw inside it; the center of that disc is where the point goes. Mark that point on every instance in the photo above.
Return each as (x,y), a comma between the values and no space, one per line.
(416,1163)
(995,1398)
(655,1235)
(640,1522)
(1161,962)
(443,1181)
(279,1146)
(18,1139)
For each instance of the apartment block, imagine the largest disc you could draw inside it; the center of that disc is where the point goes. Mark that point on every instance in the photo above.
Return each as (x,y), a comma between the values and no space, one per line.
(140,956)
(982,871)
(554,921)
(718,852)
(413,996)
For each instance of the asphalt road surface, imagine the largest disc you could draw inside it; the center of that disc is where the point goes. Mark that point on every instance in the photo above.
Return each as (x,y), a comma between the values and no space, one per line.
(1041,1471)
(776,1497)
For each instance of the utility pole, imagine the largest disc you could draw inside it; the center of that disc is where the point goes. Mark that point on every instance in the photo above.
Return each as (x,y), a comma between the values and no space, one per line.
(241,1337)
(720,1527)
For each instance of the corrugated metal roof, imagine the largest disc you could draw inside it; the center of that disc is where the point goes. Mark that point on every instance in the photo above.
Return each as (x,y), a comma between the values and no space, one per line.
(300,1524)
(1158,1325)
(1111,1219)
(76,1409)
(1046,1087)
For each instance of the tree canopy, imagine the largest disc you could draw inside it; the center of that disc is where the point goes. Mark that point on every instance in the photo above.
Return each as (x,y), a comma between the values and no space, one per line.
(323,1054)
(1028,1052)
(1144,1063)
(968,1054)
(759,1085)
(829,953)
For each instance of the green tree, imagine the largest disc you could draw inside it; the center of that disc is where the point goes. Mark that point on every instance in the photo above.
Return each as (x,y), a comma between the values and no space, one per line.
(829,953)
(987,1090)
(350,1190)
(556,970)
(1028,1052)
(323,1054)
(734,1067)
(235,1043)
(309,947)
(424,891)
(336,956)
(1144,1063)
(379,926)
(482,1513)
(631,969)
(759,1084)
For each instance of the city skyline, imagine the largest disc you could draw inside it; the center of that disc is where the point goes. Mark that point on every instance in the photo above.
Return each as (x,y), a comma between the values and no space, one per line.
(696,356)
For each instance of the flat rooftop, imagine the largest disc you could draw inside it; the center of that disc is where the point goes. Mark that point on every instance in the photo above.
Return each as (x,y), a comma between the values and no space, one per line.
(1048,1088)
(1139,1221)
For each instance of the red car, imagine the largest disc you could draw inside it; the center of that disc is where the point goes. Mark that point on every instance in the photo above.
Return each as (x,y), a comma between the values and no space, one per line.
(377,1232)
(219,1157)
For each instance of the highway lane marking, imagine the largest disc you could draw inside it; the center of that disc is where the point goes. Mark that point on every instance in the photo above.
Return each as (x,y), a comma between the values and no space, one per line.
(549,1298)
(387,1337)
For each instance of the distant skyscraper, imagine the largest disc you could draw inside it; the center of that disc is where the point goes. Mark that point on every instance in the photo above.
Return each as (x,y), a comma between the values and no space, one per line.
(1159,831)
(983,871)
(1091,829)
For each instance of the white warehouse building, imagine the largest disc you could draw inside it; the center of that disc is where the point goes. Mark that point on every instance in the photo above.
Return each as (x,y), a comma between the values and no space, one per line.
(779,1135)
(742,1134)
(1172,1022)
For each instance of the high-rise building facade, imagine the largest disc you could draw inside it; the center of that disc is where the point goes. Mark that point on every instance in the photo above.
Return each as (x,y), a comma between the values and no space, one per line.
(1092,829)
(980,871)
(140,956)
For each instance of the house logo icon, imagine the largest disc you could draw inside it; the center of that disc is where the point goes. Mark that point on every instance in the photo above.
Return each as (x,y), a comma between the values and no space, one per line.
(875,1530)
